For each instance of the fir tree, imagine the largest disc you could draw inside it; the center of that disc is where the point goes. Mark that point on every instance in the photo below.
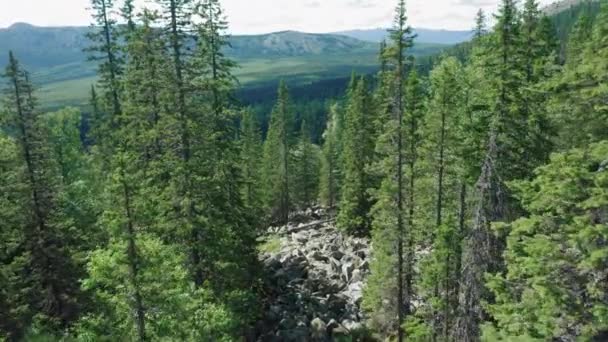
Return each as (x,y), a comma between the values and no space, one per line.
(480,24)
(328,180)
(387,281)
(556,252)
(306,169)
(51,295)
(277,155)
(251,156)
(355,203)
(106,51)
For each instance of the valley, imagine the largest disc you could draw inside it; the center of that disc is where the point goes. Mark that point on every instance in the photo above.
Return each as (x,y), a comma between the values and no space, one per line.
(58,60)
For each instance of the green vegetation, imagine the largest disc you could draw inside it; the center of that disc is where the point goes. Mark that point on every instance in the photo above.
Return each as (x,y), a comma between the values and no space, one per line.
(483,185)
(270,244)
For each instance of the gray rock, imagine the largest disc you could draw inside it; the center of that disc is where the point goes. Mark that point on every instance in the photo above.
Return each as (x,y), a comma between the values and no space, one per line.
(317,256)
(356,276)
(352,326)
(337,254)
(318,329)
(347,271)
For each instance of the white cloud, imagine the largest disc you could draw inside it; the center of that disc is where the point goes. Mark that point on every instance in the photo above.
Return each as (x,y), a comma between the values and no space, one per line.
(258,16)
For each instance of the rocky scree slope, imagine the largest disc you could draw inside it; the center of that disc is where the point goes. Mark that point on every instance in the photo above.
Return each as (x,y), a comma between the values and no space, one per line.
(314,280)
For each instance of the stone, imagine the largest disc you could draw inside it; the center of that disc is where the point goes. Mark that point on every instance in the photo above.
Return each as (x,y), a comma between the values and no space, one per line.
(337,254)
(347,271)
(352,326)
(335,264)
(317,256)
(318,329)
(340,332)
(316,277)
(331,325)
(356,276)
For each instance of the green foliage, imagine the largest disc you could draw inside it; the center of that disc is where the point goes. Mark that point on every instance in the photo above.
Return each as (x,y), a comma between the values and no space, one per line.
(358,148)
(251,156)
(271,244)
(578,106)
(306,169)
(557,251)
(330,167)
(277,166)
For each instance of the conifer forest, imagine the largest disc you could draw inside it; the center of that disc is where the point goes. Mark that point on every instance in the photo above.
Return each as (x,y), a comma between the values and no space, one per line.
(459,196)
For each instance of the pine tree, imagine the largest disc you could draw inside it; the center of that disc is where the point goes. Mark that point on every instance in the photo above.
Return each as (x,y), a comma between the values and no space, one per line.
(251,155)
(106,51)
(50,296)
(330,168)
(502,162)
(555,253)
(306,169)
(387,281)
(578,92)
(277,155)
(480,25)
(442,158)
(355,204)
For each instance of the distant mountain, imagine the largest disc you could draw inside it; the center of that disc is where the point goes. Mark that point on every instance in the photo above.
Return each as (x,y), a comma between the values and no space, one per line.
(293,43)
(431,36)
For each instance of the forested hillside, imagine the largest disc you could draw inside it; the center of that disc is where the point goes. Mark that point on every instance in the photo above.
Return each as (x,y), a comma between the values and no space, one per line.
(466,203)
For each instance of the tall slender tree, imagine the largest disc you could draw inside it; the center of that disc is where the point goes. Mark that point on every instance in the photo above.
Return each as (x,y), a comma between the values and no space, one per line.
(387,281)
(277,155)
(51,294)
(106,51)
(328,180)
(356,203)
(482,249)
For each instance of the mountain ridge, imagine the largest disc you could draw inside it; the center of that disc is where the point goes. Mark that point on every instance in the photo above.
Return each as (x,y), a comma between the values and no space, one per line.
(424,35)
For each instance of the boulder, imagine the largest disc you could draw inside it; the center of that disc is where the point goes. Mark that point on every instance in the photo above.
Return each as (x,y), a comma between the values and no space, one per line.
(318,330)
(317,256)
(356,276)
(352,326)
(347,271)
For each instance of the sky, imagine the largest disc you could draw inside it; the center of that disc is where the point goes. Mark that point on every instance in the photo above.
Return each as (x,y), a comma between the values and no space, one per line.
(263,16)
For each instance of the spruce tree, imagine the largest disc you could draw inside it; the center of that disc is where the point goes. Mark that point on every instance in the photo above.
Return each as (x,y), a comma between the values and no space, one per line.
(306,169)
(442,161)
(355,203)
(578,91)
(503,161)
(556,252)
(50,298)
(251,156)
(277,155)
(480,24)
(106,51)
(328,179)
(387,281)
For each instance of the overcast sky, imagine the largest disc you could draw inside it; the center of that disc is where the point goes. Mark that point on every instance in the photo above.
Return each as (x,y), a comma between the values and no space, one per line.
(261,16)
